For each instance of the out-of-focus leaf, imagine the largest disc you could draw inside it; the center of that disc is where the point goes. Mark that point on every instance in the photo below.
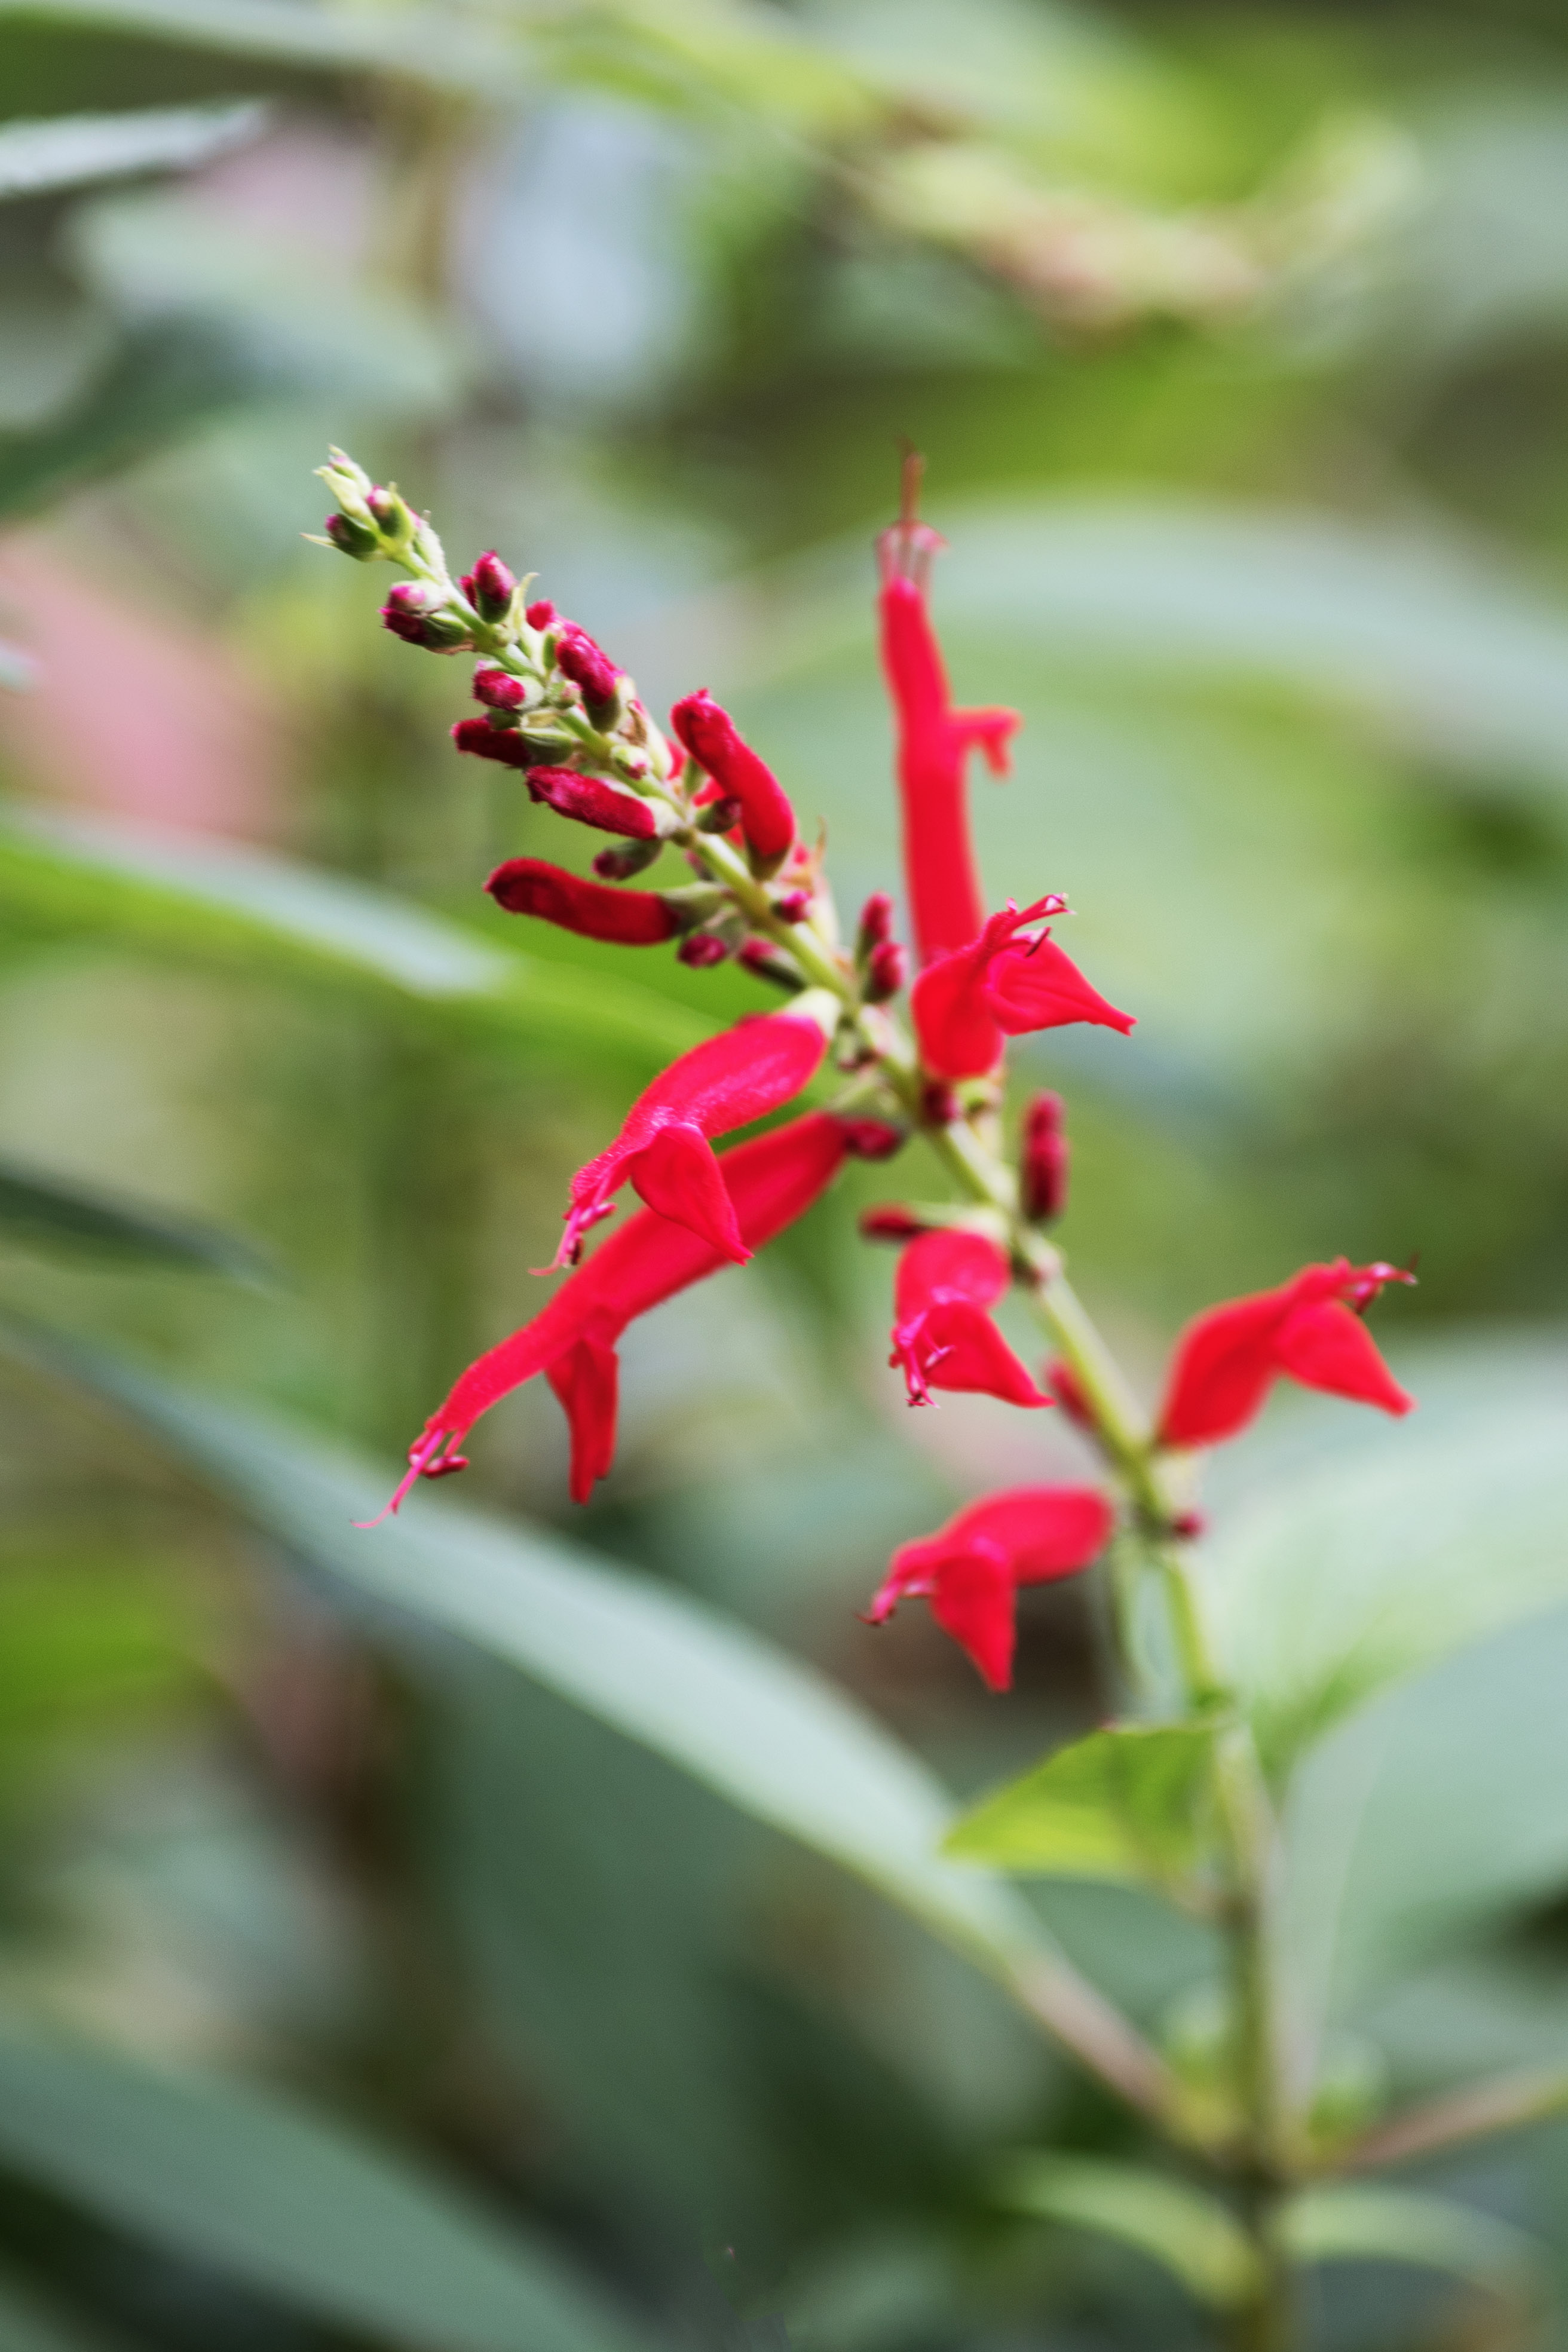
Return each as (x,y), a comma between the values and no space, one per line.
(67,149)
(1395,1543)
(742,1717)
(1429,1815)
(1478,263)
(452,48)
(300,322)
(43,1208)
(1346,2221)
(292,2204)
(1129,1802)
(186,899)
(33,2321)
(160,382)
(1190,2235)
(84,1647)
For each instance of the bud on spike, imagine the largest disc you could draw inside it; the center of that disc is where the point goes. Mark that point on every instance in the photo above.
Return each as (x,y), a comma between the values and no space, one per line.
(886,972)
(498,691)
(890,1222)
(630,857)
(876,923)
(1043,1174)
(527,886)
(702,949)
(350,536)
(489,587)
(540,613)
(592,671)
(872,1138)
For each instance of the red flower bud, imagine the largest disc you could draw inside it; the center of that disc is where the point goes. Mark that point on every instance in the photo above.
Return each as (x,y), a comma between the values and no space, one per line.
(702,949)
(527,886)
(626,858)
(709,733)
(770,964)
(498,691)
(793,906)
(876,923)
(387,508)
(414,614)
(1043,1176)
(892,1222)
(872,1138)
(350,536)
(590,669)
(721,811)
(886,971)
(1067,1390)
(589,799)
(488,587)
(540,613)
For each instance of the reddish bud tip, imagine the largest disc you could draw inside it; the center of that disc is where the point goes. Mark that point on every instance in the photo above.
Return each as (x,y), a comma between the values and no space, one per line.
(589,668)
(892,1222)
(709,733)
(591,801)
(414,613)
(939,1104)
(1043,1174)
(626,858)
(540,613)
(720,815)
(702,949)
(1067,1390)
(528,885)
(387,507)
(350,536)
(498,691)
(793,906)
(886,971)
(1188,1525)
(876,922)
(489,587)
(871,1138)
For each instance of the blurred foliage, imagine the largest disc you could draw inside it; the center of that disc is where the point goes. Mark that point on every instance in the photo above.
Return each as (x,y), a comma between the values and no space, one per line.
(454,1938)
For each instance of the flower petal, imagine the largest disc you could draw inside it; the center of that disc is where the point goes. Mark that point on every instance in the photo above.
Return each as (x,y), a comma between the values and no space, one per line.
(974,1600)
(1328,1347)
(1045,1532)
(950,1264)
(586,1379)
(676,1174)
(1035,985)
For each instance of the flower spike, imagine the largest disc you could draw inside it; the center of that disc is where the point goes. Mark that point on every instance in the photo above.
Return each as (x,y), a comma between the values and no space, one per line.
(1002,985)
(934,742)
(942,1335)
(771,1182)
(1310,1330)
(663,1148)
(971,1569)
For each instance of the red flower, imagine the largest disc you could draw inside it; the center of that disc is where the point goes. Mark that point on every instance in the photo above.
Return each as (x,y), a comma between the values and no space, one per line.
(1310,1330)
(663,1148)
(709,733)
(934,744)
(1043,1165)
(971,1569)
(771,1180)
(595,911)
(942,1337)
(964,1002)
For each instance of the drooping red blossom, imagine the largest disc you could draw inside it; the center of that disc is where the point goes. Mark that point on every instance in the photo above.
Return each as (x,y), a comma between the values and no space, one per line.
(588,666)
(595,911)
(489,587)
(770,1181)
(1043,1162)
(1310,1330)
(934,743)
(971,1569)
(1001,986)
(663,1148)
(943,1336)
(498,689)
(590,800)
(709,733)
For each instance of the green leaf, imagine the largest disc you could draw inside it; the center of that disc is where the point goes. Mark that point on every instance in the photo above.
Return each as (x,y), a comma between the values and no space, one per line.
(763,1730)
(1131,1802)
(427,43)
(33,2321)
(291,2203)
(188,898)
(1348,2222)
(1389,1544)
(44,1209)
(67,149)
(1190,2235)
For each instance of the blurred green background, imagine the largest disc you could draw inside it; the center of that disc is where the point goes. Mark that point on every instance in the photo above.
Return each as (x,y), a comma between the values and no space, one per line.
(1237,339)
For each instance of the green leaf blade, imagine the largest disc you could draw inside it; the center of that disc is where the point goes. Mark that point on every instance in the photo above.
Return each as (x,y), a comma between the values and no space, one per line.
(1188,2233)
(1129,1802)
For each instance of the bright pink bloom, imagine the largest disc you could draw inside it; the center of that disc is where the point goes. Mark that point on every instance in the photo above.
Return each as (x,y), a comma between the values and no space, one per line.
(595,911)
(971,1569)
(942,1335)
(1043,1167)
(1310,1330)
(770,1181)
(934,744)
(708,734)
(1000,985)
(724,1083)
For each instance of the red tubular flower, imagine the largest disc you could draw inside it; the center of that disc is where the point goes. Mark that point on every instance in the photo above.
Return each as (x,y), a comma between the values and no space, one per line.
(770,1181)
(708,732)
(589,668)
(942,1335)
(971,1569)
(591,800)
(999,984)
(934,744)
(595,911)
(1310,1330)
(663,1148)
